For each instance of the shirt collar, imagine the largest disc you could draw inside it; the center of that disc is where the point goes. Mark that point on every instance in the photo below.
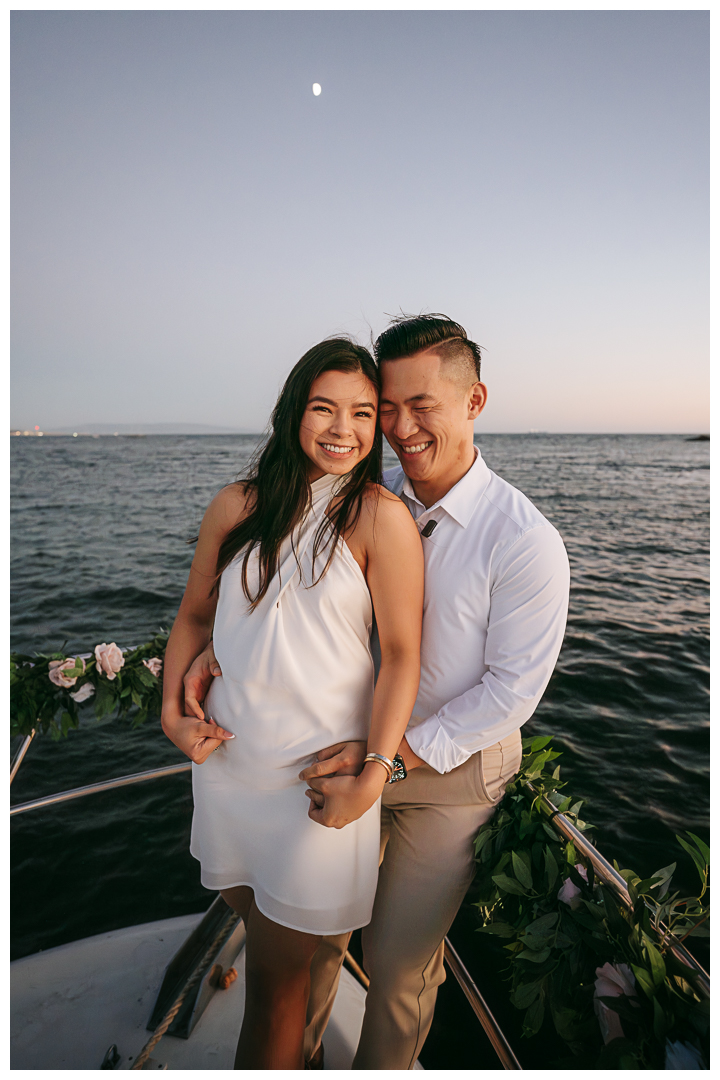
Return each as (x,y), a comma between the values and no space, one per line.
(461,500)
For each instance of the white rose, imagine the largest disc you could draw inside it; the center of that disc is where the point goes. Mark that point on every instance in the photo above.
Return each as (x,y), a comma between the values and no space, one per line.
(613,980)
(569,893)
(57,667)
(154,665)
(109,659)
(680,1055)
(86,691)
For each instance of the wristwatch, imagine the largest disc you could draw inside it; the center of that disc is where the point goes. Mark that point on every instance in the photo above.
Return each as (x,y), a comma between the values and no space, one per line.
(399,770)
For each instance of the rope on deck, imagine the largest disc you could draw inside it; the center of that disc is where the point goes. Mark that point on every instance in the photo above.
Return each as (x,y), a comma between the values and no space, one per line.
(190,982)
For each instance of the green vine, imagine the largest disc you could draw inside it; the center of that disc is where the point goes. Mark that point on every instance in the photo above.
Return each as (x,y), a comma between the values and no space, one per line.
(38,702)
(560,926)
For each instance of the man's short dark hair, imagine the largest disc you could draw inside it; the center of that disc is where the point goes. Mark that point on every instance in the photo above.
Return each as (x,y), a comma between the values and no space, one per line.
(410,334)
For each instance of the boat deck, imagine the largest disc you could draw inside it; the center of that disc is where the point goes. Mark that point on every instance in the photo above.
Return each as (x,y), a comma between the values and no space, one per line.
(70,1004)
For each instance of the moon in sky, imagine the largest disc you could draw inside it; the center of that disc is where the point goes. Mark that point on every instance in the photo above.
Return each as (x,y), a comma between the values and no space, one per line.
(317,89)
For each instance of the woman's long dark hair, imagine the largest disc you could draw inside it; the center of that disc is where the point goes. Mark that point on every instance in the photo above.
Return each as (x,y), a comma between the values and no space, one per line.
(277,484)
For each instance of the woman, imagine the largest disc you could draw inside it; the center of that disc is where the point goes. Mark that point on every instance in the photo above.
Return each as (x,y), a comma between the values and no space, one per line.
(302,550)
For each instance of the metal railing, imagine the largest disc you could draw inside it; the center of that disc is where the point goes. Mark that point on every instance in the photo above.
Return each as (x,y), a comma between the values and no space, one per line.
(492,1029)
(454,963)
(608,875)
(604,871)
(104,785)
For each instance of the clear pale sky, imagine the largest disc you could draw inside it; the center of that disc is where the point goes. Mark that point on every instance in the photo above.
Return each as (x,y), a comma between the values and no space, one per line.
(188,218)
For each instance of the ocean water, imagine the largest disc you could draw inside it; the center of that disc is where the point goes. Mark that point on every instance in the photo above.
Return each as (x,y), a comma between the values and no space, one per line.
(100,553)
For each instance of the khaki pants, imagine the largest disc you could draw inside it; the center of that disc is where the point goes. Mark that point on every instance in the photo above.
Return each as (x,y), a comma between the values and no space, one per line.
(429,822)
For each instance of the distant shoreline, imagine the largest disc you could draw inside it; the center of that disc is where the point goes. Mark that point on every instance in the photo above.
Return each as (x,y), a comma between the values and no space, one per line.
(15,432)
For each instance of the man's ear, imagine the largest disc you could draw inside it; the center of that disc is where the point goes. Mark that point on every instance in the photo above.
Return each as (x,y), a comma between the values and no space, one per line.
(477,400)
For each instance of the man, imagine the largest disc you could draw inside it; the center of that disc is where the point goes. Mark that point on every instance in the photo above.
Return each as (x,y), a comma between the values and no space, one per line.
(496,593)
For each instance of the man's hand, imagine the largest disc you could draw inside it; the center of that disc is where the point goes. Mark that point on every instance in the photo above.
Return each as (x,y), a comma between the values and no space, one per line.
(198,681)
(341,759)
(337,800)
(412,761)
(195,738)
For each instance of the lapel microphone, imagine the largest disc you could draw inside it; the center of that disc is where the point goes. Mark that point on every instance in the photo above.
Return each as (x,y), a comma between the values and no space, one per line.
(429,528)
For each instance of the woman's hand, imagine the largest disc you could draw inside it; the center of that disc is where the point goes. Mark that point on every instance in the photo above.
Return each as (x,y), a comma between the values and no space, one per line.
(198,680)
(335,801)
(195,738)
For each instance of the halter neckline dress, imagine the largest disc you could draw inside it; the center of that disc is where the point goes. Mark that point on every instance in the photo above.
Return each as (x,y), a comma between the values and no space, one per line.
(297,676)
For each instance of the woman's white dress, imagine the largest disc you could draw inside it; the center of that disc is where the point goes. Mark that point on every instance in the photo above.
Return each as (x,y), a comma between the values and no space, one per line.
(297,676)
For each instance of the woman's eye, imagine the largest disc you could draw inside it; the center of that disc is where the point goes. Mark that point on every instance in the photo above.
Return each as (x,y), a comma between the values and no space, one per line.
(364,415)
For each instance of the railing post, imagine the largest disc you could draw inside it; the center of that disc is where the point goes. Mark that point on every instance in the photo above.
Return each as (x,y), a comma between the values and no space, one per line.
(20,754)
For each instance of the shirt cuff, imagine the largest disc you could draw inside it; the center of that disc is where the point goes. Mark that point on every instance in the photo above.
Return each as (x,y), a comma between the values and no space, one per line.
(430,741)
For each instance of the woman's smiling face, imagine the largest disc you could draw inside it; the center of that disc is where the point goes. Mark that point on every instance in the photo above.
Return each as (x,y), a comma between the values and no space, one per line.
(338,426)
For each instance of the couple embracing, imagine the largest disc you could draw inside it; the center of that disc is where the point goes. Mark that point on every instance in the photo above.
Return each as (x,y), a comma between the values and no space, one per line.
(324,803)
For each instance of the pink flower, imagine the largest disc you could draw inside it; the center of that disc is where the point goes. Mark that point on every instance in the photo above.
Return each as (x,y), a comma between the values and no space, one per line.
(57,667)
(109,659)
(613,980)
(86,691)
(570,893)
(154,665)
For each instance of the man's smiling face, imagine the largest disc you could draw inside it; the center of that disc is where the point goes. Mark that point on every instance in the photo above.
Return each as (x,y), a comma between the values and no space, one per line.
(427,416)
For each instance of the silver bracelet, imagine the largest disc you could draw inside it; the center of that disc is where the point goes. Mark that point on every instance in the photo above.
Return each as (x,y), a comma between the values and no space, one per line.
(384,761)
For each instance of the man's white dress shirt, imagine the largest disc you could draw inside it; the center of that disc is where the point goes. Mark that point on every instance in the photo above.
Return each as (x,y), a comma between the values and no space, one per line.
(496,596)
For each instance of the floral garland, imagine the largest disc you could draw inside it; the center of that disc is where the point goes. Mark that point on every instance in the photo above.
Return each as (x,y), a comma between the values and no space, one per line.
(46,689)
(616,994)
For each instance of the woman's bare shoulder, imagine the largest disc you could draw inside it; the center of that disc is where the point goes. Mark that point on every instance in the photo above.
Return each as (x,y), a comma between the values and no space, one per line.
(381,507)
(229,506)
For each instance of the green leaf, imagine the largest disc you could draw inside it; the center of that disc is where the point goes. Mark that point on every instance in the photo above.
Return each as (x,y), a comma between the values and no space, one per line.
(522,871)
(644,980)
(509,885)
(533,1019)
(699,931)
(534,956)
(539,743)
(481,839)
(657,964)
(659,1025)
(545,922)
(617,924)
(551,867)
(500,929)
(694,855)
(702,847)
(647,884)
(524,994)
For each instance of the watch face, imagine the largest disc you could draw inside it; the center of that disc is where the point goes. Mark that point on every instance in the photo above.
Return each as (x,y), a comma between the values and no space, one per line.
(399,770)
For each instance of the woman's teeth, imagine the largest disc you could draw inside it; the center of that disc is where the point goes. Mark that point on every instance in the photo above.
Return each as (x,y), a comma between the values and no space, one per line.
(337,449)
(415,449)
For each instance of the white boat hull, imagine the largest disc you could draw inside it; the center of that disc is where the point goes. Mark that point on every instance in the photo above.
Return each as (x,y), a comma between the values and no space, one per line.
(70,1004)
